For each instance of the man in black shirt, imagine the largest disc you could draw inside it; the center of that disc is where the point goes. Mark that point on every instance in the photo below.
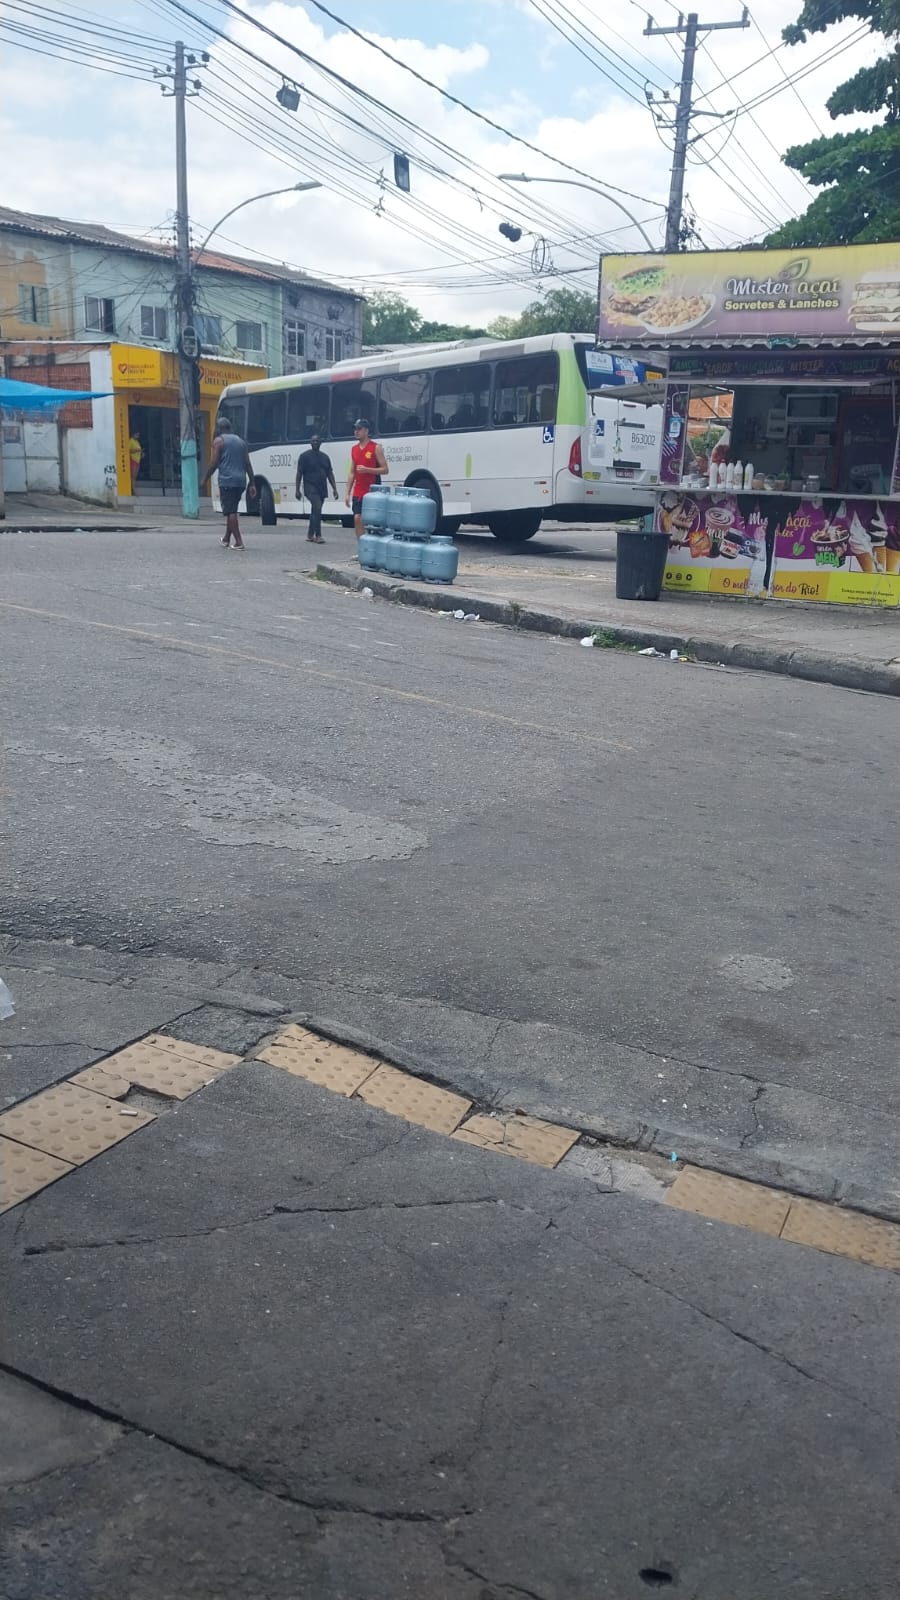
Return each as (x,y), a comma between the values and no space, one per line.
(314,474)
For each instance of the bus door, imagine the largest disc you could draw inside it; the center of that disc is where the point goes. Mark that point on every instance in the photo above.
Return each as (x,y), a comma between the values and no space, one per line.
(624,441)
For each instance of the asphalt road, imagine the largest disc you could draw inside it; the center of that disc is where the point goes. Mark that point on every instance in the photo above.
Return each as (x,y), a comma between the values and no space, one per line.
(649,896)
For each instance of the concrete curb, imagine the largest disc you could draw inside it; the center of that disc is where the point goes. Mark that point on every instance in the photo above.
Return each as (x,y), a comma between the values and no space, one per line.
(815,666)
(713,1155)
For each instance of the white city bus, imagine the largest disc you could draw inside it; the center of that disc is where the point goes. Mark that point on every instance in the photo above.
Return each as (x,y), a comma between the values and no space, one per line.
(502,434)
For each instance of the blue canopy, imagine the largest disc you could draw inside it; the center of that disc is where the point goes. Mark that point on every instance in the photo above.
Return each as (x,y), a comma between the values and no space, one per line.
(16,396)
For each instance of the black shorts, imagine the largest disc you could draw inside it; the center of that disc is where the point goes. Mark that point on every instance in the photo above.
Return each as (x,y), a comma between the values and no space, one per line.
(230,496)
(357,504)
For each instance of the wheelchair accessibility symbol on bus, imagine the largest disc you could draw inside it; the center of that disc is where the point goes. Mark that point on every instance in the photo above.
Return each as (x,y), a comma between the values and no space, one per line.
(549,433)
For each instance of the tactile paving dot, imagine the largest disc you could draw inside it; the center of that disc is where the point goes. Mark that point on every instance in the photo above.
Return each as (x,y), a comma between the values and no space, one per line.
(71,1123)
(746,1205)
(419,1102)
(844,1233)
(528,1138)
(321,1061)
(24,1171)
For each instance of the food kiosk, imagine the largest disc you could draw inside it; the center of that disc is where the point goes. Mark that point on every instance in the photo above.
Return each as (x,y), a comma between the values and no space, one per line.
(780,468)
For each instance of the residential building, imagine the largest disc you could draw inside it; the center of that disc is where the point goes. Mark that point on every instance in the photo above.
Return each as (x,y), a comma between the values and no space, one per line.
(80,295)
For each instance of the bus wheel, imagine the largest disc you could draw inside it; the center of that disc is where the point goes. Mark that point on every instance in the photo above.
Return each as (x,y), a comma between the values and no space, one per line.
(514,527)
(265,500)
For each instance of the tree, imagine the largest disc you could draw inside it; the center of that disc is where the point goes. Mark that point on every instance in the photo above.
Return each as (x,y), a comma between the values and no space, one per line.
(560,311)
(859,173)
(389,319)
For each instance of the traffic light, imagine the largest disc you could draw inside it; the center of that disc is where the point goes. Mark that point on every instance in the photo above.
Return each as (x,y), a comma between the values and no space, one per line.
(288,96)
(401,173)
(511,232)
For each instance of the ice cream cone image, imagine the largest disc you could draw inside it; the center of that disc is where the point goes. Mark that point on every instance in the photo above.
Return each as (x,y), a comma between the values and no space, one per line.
(861,546)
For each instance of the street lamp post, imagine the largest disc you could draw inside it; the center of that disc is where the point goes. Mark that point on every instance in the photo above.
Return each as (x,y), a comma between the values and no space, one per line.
(292,188)
(572,183)
(188,348)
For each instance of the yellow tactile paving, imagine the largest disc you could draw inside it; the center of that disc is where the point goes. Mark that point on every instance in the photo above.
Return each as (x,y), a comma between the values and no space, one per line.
(23,1172)
(203,1055)
(71,1123)
(542,1143)
(157,1063)
(843,1233)
(306,1055)
(102,1082)
(418,1102)
(746,1205)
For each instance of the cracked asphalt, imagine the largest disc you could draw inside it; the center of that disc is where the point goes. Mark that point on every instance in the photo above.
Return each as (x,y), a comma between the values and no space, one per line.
(277,1346)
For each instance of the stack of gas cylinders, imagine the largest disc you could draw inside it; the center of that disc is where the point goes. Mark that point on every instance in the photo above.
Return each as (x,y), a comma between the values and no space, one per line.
(400,537)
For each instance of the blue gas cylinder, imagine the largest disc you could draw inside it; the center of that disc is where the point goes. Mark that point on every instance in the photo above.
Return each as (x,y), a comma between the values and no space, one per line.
(375,508)
(368,551)
(440,559)
(412,550)
(381,544)
(396,510)
(393,546)
(412,511)
(419,511)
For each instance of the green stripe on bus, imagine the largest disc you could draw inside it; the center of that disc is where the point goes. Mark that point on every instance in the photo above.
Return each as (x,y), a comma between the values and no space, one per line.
(570,405)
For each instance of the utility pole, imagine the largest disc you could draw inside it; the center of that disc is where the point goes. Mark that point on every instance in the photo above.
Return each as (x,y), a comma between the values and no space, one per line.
(691,28)
(187,348)
(184,300)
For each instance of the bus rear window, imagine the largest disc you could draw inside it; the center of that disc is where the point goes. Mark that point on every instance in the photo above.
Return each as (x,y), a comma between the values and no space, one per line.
(525,390)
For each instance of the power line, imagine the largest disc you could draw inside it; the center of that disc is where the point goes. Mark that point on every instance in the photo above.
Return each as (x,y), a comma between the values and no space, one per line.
(370,102)
(445,93)
(773,51)
(558,19)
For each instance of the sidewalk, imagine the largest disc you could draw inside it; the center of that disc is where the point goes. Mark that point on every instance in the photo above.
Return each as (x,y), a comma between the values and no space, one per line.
(58,513)
(854,647)
(278,1344)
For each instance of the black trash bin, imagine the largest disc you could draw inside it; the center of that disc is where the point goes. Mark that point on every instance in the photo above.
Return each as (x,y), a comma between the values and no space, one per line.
(640,563)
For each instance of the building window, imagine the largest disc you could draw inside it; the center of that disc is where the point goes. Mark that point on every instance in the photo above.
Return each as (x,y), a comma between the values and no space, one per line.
(154,323)
(249,335)
(209,330)
(34,303)
(99,315)
(334,345)
(295,338)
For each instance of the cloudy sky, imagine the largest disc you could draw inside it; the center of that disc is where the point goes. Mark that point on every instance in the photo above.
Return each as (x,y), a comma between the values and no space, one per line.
(88,135)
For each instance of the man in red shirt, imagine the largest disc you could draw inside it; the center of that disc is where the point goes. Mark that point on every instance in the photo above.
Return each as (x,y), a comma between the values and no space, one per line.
(367,467)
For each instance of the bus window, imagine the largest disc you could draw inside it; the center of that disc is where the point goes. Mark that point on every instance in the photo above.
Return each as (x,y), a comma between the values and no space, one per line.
(265,418)
(461,397)
(403,403)
(236,412)
(307,412)
(525,390)
(351,400)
